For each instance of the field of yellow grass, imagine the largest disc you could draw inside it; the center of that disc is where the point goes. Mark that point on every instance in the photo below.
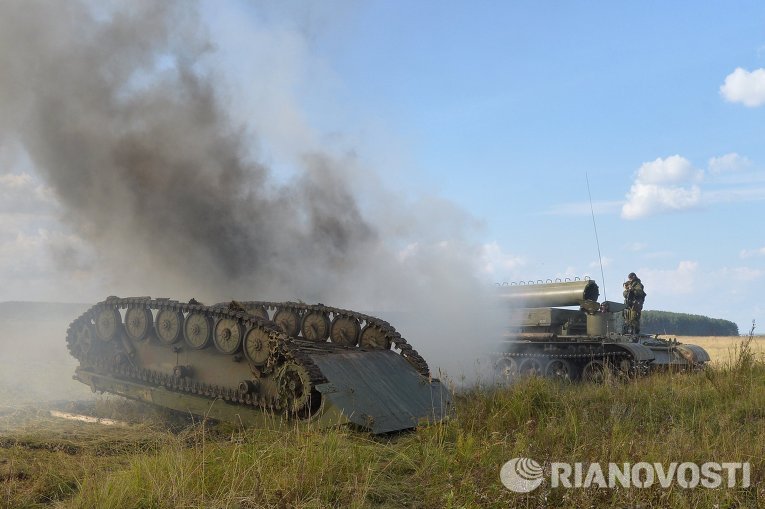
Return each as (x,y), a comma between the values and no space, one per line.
(725,349)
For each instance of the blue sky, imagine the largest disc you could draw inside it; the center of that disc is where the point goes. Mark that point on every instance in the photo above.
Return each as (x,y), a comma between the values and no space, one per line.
(503,109)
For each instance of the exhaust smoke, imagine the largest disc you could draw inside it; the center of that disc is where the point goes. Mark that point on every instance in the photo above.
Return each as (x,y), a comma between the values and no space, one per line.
(116,109)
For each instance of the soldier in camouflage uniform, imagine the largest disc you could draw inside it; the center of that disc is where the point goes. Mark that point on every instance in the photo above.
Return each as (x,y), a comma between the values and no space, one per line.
(634,296)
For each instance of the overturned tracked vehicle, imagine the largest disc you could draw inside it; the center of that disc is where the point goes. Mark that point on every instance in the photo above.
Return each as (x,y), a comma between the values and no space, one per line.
(549,338)
(257,362)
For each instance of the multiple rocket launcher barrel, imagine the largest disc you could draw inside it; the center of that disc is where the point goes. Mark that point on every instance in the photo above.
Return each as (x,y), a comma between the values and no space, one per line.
(570,293)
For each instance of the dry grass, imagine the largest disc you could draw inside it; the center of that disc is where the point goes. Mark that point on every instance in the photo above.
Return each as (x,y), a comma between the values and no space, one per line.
(715,415)
(726,349)
(162,462)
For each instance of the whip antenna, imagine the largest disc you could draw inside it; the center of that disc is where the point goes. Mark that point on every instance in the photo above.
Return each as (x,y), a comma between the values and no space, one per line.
(597,242)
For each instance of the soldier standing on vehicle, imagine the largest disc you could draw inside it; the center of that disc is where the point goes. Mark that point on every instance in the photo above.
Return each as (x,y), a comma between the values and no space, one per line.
(634,296)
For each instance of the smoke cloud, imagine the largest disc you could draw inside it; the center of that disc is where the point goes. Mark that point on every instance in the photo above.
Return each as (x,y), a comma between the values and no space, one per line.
(118,111)
(134,142)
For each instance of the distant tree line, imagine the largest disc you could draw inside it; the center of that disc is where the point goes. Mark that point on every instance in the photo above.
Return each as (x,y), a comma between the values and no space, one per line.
(684,324)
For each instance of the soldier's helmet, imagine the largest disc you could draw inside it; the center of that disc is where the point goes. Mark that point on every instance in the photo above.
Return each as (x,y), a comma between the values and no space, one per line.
(631,275)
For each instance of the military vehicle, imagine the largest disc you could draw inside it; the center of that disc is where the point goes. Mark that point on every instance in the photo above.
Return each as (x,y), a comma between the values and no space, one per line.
(257,363)
(549,338)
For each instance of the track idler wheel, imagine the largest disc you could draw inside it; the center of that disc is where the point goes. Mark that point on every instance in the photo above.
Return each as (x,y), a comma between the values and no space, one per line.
(197,330)
(137,323)
(506,370)
(315,326)
(168,325)
(561,369)
(345,330)
(257,346)
(373,337)
(107,324)
(228,335)
(84,339)
(531,367)
(597,371)
(289,321)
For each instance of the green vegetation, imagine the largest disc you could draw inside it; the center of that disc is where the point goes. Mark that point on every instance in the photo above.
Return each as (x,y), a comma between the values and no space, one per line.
(715,415)
(684,324)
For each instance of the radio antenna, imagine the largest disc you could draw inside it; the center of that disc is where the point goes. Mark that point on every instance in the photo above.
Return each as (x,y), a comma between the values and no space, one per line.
(597,242)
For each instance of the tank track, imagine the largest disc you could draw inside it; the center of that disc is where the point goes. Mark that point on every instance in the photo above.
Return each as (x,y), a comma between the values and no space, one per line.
(84,344)
(611,360)
(395,338)
(592,355)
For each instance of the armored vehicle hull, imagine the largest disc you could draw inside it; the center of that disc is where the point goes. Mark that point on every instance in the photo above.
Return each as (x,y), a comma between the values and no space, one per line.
(261,363)
(587,343)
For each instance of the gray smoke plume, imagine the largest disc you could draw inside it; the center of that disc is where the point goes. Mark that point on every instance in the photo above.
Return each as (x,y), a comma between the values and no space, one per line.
(132,138)
(115,108)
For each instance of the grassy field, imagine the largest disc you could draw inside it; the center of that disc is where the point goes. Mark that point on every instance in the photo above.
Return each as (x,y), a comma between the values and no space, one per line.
(161,461)
(725,349)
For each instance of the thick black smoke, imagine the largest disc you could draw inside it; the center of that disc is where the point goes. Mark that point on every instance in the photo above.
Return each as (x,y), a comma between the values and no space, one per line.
(115,110)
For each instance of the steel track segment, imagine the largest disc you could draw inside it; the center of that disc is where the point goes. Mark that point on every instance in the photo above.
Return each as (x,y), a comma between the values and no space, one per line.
(599,355)
(592,355)
(406,350)
(283,349)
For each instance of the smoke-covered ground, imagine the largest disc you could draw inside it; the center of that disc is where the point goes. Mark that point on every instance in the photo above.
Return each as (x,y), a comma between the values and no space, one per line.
(36,366)
(158,190)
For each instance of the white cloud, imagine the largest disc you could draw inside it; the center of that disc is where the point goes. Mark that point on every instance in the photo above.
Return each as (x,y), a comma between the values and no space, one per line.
(495,262)
(749,253)
(672,170)
(742,86)
(663,185)
(649,199)
(743,274)
(674,184)
(677,281)
(727,163)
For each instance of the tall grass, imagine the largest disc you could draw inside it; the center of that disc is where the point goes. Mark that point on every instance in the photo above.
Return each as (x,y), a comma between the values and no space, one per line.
(715,415)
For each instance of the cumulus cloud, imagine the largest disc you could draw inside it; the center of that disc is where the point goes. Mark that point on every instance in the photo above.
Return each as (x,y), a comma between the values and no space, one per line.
(742,86)
(728,163)
(678,281)
(496,262)
(750,253)
(672,184)
(663,185)
(672,170)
